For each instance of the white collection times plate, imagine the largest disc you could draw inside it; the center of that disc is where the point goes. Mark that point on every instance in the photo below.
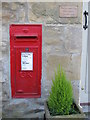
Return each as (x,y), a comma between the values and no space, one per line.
(26,61)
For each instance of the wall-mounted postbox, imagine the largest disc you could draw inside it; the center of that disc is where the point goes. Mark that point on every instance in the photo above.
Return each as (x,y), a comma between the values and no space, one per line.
(25,60)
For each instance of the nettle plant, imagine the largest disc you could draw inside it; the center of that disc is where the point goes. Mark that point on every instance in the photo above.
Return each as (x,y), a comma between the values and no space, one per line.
(61,94)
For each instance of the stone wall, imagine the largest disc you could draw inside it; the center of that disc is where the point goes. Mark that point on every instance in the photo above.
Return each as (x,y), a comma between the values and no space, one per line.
(62,44)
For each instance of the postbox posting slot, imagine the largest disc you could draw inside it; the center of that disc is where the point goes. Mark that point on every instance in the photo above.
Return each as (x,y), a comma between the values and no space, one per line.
(27,36)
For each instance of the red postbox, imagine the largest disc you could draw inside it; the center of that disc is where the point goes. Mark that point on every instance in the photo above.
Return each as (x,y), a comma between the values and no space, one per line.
(26,60)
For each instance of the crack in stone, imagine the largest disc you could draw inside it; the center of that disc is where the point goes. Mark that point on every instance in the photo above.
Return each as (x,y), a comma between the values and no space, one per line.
(34,111)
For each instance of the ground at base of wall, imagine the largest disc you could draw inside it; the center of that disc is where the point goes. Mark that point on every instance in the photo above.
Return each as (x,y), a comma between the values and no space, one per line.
(23,108)
(29,115)
(37,117)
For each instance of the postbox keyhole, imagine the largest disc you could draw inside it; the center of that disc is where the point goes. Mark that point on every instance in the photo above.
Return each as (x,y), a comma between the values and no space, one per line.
(26,49)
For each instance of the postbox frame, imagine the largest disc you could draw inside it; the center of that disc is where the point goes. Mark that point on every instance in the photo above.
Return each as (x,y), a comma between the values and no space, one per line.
(12,70)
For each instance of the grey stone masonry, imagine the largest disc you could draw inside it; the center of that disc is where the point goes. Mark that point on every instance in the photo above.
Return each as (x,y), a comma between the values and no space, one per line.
(61,44)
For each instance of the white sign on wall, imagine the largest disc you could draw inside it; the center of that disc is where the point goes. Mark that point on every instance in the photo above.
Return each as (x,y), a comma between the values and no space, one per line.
(26,61)
(68,11)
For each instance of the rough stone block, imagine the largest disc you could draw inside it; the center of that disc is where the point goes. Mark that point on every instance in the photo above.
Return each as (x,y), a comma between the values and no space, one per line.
(5,45)
(63,39)
(53,35)
(5,68)
(67,62)
(0,15)
(0,76)
(21,15)
(8,12)
(0,88)
(1,64)
(73,39)
(5,63)
(76,66)
(52,10)
(5,31)
(38,13)
(14,5)
(0,55)
(49,13)
(5,5)
(53,61)
(8,16)
(39,9)
(5,92)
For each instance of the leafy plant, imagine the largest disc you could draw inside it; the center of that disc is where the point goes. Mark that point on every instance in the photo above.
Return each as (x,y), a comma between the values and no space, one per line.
(61,95)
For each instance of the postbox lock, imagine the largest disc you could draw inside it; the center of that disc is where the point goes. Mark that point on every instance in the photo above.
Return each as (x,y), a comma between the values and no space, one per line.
(26,49)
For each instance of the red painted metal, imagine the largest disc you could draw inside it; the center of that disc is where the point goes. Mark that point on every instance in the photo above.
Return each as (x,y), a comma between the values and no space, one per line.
(25,38)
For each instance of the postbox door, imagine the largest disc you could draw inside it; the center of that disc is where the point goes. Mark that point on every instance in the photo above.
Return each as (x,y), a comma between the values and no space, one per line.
(26,71)
(26,60)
